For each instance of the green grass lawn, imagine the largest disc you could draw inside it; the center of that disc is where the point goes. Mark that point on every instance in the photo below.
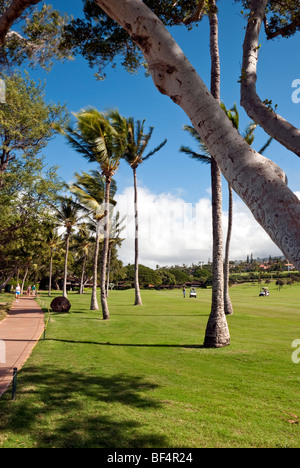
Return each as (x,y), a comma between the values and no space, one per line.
(5,303)
(143,379)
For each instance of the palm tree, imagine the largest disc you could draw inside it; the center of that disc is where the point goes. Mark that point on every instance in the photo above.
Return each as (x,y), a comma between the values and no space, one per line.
(137,142)
(68,215)
(248,136)
(204,157)
(96,139)
(217,332)
(90,189)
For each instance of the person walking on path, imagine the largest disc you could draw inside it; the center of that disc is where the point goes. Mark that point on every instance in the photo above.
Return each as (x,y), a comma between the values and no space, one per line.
(18,292)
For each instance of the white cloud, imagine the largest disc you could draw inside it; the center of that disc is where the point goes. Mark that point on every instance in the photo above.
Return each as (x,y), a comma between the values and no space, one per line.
(172,231)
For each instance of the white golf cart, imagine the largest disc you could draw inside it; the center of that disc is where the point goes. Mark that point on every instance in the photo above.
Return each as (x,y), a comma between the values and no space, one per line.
(193,293)
(264,292)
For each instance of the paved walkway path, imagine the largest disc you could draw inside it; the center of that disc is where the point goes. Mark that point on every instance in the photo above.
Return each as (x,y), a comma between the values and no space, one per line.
(19,333)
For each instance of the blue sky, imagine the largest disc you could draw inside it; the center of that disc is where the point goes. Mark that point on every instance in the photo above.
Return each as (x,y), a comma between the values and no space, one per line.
(169,172)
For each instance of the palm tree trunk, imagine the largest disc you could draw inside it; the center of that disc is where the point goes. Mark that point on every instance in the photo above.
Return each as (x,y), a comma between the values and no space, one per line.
(217,333)
(108,270)
(94,301)
(65,294)
(104,305)
(50,273)
(138,299)
(227,301)
(81,287)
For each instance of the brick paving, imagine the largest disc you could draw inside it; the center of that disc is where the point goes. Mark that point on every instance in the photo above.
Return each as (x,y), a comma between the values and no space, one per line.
(19,333)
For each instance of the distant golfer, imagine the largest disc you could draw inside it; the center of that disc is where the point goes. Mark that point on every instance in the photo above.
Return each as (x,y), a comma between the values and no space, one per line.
(18,292)
(184,292)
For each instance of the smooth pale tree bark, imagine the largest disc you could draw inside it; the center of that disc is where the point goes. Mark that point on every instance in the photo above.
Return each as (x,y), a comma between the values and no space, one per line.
(217,333)
(138,299)
(24,279)
(13,12)
(258,181)
(275,125)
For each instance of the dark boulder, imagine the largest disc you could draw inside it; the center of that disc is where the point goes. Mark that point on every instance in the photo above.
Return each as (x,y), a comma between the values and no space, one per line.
(60,304)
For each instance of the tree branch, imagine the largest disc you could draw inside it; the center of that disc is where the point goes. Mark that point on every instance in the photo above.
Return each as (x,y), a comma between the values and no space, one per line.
(197,15)
(285,31)
(275,125)
(13,12)
(257,180)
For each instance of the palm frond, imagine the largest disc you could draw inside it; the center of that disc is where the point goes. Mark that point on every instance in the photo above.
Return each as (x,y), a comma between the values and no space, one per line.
(266,145)
(203,158)
(158,148)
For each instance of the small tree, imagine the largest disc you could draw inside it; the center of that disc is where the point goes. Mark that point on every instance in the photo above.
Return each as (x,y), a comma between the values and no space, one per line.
(69,214)
(26,121)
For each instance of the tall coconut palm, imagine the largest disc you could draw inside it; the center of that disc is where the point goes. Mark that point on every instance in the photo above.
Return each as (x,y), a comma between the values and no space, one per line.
(204,157)
(217,332)
(90,190)
(68,215)
(248,135)
(98,142)
(136,145)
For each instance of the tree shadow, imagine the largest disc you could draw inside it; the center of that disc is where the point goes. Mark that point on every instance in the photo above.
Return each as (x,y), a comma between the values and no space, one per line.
(66,398)
(138,345)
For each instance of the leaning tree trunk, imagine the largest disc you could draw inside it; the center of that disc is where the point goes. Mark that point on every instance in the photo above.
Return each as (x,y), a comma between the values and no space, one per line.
(217,333)
(260,183)
(11,14)
(275,125)
(94,301)
(104,304)
(65,294)
(138,299)
(227,301)
(24,279)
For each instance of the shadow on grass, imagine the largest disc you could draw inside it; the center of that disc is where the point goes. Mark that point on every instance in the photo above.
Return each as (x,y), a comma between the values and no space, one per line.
(62,409)
(138,345)
(161,315)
